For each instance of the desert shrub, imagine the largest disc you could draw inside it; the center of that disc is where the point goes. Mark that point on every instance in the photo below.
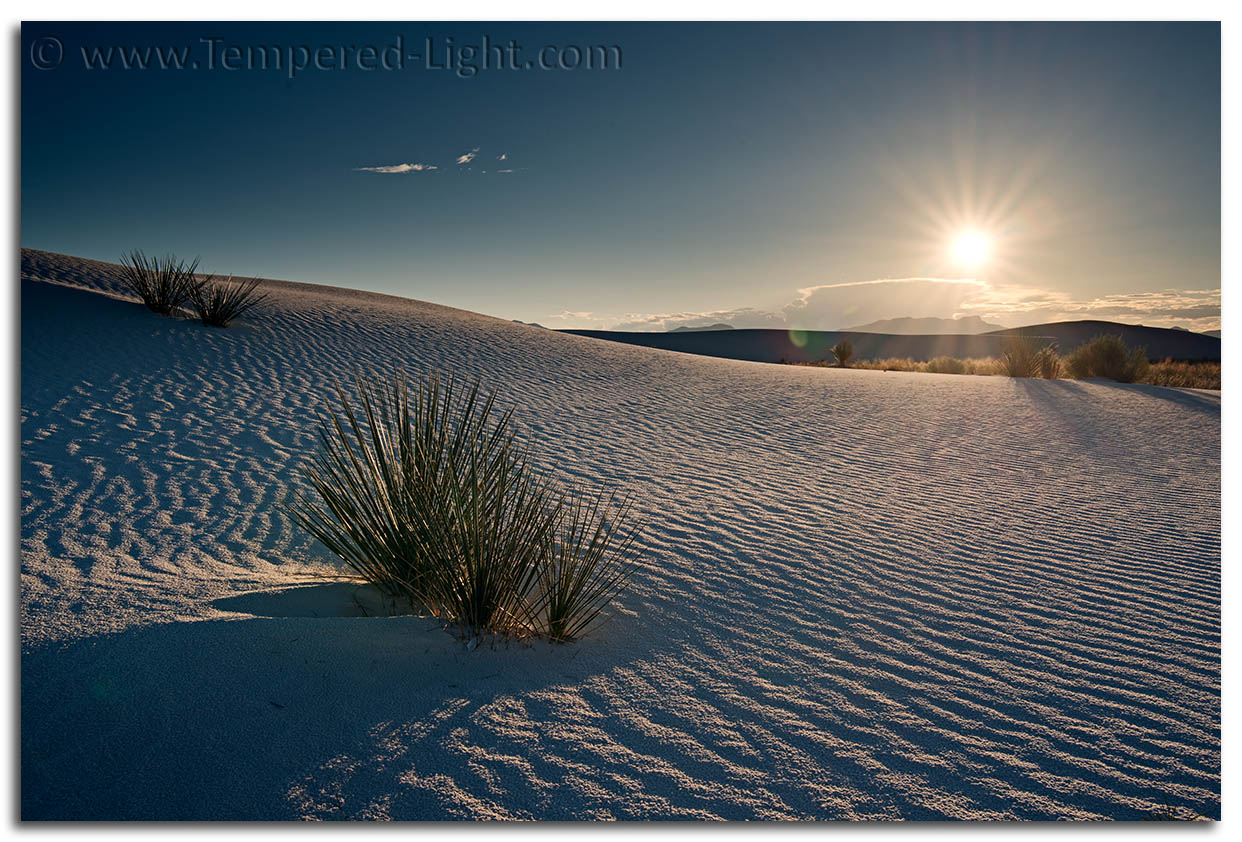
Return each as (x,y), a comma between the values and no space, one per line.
(219,302)
(428,497)
(946,365)
(1023,356)
(1186,375)
(1108,356)
(987,366)
(842,351)
(163,283)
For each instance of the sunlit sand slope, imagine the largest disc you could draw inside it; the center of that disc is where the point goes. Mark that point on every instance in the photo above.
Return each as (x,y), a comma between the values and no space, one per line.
(862,594)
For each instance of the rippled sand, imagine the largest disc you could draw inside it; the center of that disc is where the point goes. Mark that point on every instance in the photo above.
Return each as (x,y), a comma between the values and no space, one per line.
(863,595)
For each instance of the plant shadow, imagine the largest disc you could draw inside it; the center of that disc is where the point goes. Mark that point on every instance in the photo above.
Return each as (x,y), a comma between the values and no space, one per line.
(331,599)
(228,719)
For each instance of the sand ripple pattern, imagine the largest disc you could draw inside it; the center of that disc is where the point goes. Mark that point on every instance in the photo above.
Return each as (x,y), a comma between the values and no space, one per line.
(864,595)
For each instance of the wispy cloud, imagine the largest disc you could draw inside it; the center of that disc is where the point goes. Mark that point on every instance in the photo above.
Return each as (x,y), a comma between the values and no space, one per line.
(1194,309)
(835,306)
(739,317)
(843,305)
(461,160)
(398,168)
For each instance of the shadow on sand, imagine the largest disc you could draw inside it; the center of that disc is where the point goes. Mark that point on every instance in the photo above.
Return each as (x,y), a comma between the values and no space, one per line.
(1201,400)
(267,719)
(331,599)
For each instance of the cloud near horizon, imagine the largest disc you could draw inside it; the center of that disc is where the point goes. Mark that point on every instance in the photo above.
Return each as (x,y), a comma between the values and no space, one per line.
(398,168)
(469,156)
(845,305)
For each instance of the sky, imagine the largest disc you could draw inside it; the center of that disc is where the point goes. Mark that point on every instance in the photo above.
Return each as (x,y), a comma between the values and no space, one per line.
(810,176)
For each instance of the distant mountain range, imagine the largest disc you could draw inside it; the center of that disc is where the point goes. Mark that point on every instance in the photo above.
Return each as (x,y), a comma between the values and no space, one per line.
(907,326)
(685,329)
(1215,333)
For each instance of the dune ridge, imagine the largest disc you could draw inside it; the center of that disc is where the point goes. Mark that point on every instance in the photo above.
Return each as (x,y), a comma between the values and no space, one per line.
(863,595)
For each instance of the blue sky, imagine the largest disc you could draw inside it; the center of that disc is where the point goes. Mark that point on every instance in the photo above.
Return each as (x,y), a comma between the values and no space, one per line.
(811,176)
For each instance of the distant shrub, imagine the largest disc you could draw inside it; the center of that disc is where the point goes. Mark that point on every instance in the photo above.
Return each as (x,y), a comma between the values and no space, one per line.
(972,365)
(1026,356)
(219,302)
(1197,375)
(890,364)
(428,497)
(983,365)
(1048,362)
(946,365)
(842,351)
(1108,356)
(163,283)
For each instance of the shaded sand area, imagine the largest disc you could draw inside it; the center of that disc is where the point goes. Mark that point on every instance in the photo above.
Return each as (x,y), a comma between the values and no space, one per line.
(863,595)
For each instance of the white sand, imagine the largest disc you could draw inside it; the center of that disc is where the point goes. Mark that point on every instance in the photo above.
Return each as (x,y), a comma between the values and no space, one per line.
(863,594)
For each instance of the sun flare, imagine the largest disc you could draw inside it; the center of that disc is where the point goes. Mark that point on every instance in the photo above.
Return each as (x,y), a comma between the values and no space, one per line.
(971,248)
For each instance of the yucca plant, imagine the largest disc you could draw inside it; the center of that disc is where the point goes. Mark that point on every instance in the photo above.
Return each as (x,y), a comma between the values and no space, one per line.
(587,562)
(219,302)
(1048,362)
(428,497)
(842,351)
(163,283)
(485,530)
(363,477)
(1022,356)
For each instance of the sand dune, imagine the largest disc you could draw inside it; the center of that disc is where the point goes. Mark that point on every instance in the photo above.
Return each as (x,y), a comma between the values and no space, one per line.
(770,345)
(863,595)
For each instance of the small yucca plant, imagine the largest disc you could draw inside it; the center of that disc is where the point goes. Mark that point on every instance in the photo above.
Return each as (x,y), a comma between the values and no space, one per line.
(842,351)
(1048,362)
(485,529)
(363,477)
(163,283)
(1022,356)
(586,564)
(219,302)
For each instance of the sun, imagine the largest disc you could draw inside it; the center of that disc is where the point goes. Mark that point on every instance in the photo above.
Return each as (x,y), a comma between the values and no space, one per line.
(971,248)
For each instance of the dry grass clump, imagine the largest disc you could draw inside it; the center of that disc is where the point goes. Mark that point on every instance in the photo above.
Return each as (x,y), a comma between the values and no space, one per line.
(163,283)
(219,302)
(1028,356)
(1197,375)
(428,497)
(888,364)
(946,365)
(1108,356)
(843,350)
(939,365)
(1037,359)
